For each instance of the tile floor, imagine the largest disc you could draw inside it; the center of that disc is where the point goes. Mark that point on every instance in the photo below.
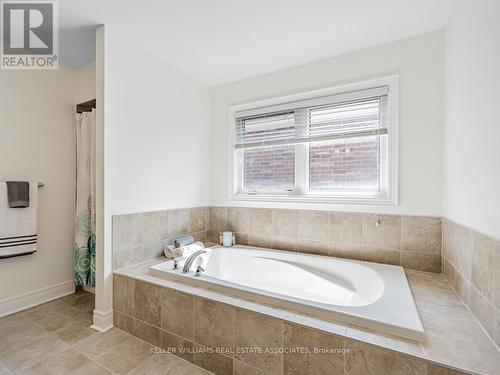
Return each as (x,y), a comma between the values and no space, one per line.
(56,338)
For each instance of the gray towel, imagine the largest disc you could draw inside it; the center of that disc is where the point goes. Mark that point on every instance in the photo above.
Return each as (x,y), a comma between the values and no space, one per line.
(183,241)
(18,193)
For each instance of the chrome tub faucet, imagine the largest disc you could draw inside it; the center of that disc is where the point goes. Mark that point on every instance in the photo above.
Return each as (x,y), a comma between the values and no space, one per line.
(190,261)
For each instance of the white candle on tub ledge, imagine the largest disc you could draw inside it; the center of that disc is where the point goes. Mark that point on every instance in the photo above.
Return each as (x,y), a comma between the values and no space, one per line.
(227,239)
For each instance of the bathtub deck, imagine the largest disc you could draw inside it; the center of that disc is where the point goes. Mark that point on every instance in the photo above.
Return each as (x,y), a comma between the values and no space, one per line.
(453,337)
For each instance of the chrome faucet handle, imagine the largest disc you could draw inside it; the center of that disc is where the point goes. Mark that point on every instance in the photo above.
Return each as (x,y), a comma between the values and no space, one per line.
(199,271)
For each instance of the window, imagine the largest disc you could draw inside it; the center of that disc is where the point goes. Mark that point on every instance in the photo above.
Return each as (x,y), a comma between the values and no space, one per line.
(335,147)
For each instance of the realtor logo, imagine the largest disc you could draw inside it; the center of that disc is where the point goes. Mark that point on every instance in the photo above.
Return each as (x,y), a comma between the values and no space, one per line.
(29,35)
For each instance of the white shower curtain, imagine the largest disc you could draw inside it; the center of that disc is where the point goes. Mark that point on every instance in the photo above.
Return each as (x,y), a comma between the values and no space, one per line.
(84,265)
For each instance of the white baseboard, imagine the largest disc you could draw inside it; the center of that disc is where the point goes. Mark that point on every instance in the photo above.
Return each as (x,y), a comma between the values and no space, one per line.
(103,321)
(26,300)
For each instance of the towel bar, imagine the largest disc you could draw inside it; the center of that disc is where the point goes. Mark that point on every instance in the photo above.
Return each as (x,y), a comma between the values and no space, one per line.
(40,184)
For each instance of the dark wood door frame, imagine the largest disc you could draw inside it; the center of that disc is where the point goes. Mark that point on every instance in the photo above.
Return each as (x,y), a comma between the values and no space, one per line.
(86,107)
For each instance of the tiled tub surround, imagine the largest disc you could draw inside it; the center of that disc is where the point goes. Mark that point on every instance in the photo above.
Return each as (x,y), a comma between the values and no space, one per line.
(141,236)
(472,267)
(413,242)
(170,314)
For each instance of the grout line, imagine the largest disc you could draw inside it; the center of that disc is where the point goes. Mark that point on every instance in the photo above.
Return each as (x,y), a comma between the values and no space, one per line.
(151,345)
(467,307)
(94,361)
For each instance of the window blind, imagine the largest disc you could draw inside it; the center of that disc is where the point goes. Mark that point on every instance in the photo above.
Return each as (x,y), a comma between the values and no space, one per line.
(357,114)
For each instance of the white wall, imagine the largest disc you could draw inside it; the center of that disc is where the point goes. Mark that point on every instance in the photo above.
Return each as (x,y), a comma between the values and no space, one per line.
(155,147)
(419,63)
(156,132)
(472,128)
(85,84)
(37,142)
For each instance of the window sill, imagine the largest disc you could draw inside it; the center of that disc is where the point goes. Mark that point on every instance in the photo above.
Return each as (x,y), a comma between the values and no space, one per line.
(322,199)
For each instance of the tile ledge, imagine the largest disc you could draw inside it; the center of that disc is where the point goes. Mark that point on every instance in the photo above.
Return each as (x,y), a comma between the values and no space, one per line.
(385,341)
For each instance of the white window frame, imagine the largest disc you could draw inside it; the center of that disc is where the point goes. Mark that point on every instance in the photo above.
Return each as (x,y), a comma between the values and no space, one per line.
(300,194)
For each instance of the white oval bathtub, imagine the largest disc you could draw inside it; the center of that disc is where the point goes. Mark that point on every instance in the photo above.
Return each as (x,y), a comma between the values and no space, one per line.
(370,295)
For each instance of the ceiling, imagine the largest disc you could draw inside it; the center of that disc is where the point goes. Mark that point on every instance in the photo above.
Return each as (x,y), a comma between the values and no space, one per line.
(219,41)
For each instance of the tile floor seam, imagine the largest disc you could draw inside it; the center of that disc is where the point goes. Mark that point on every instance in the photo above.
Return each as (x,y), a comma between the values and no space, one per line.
(92,360)
(57,339)
(34,359)
(138,338)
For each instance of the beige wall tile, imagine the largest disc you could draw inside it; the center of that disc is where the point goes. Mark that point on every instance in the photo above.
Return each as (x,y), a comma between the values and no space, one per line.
(147,332)
(128,231)
(365,359)
(463,288)
(177,313)
(256,330)
(464,245)
(285,243)
(265,241)
(123,294)
(238,219)
(387,235)
(197,218)
(421,262)
(314,247)
(152,250)
(449,272)
(217,363)
(421,234)
(213,236)
(348,252)
(241,239)
(207,218)
(313,225)
(123,322)
(285,223)
(178,222)
(345,229)
(199,236)
(483,262)
(483,310)
(126,257)
(449,250)
(261,221)
(311,363)
(214,324)
(177,345)
(386,256)
(218,219)
(496,277)
(147,303)
(291,230)
(155,226)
